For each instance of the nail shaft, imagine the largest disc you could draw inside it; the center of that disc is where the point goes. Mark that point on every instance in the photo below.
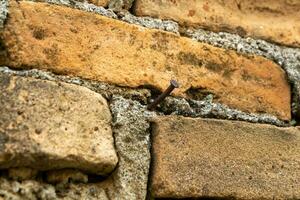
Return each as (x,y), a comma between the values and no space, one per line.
(160,98)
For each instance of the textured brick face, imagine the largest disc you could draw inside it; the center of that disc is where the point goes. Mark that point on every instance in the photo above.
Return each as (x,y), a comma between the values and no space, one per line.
(46,125)
(217,158)
(275,20)
(73,42)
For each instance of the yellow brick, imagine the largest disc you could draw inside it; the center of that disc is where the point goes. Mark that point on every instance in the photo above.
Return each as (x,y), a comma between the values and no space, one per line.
(73,42)
(274,20)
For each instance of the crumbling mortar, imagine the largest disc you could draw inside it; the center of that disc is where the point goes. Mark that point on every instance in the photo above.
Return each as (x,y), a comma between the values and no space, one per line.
(132,136)
(3,12)
(205,108)
(148,22)
(288,58)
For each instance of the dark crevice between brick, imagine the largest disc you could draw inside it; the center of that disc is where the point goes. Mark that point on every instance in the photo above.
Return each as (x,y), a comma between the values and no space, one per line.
(3,52)
(42,177)
(150,195)
(199,93)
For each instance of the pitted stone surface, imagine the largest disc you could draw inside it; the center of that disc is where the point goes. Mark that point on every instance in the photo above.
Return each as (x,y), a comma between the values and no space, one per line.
(3,12)
(224,159)
(127,55)
(46,125)
(103,3)
(274,20)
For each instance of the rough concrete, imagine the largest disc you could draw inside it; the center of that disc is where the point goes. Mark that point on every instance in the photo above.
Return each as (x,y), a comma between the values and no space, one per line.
(132,140)
(43,121)
(120,53)
(27,190)
(221,159)
(175,106)
(102,3)
(128,181)
(3,12)
(106,90)
(287,58)
(148,22)
(84,6)
(206,108)
(123,15)
(119,5)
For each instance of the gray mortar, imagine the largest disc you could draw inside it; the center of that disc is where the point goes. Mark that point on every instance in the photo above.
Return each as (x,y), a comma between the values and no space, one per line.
(207,109)
(3,12)
(287,58)
(106,90)
(148,22)
(84,6)
(177,106)
(132,139)
(172,105)
(119,5)
(14,190)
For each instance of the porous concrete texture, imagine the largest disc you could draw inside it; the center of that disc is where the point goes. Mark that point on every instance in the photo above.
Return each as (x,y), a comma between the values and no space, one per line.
(84,6)
(119,5)
(287,58)
(145,57)
(171,105)
(132,139)
(206,108)
(196,158)
(123,15)
(51,125)
(105,89)
(148,22)
(3,13)
(102,3)
(273,20)
(28,190)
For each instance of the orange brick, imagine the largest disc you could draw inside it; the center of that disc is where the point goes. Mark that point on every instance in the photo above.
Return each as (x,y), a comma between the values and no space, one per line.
(274,20)
(74,42)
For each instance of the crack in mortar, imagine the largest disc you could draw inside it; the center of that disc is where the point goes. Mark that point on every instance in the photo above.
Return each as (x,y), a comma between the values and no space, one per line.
(3,12)
(204,108)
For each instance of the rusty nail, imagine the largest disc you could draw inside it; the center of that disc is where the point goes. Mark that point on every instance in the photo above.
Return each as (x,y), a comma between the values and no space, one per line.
(173,85)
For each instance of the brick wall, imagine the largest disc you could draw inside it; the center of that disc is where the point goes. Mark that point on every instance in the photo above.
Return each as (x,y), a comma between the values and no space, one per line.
(76,79)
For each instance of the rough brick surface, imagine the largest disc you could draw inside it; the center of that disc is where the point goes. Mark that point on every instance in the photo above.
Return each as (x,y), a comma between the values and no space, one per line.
(103,3)
(46,125)
(275,20)
(69,41)
(216,158)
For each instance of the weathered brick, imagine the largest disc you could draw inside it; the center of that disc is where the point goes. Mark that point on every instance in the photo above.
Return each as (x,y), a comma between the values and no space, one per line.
(103,3)
(73,42)
(217,158)
(275,20)
(46,125)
